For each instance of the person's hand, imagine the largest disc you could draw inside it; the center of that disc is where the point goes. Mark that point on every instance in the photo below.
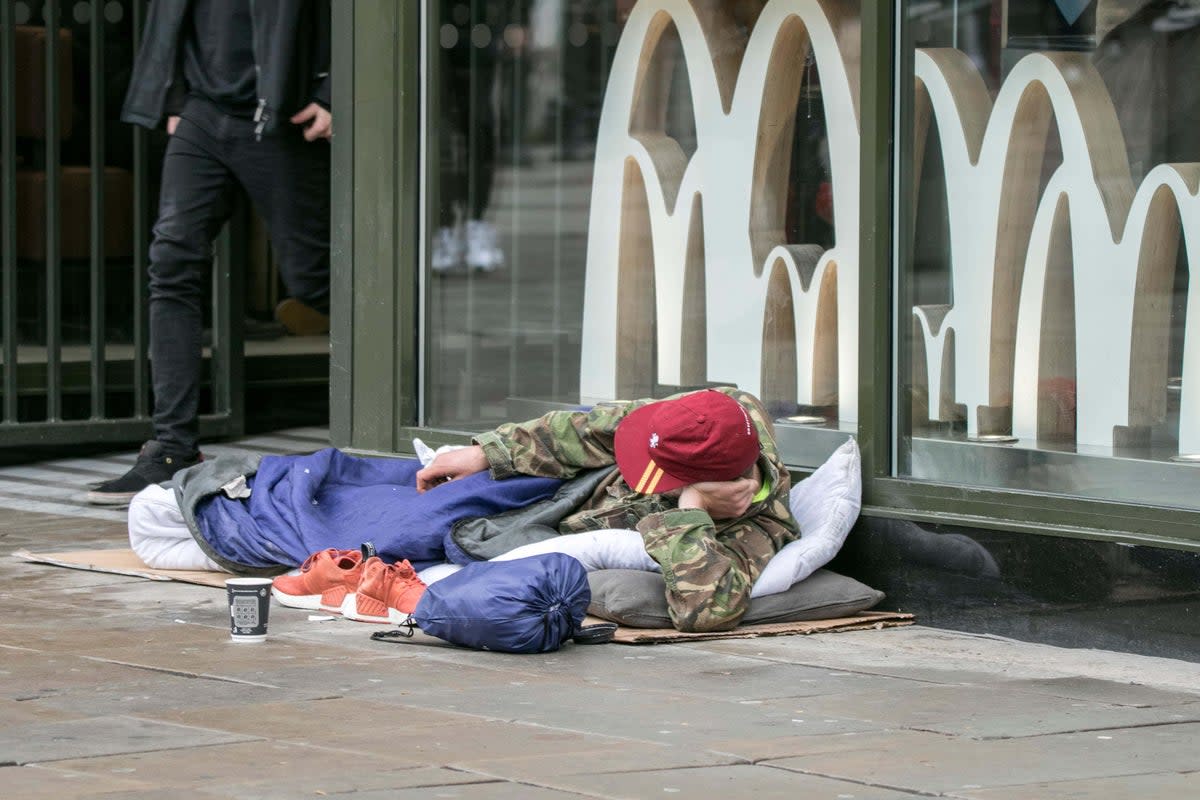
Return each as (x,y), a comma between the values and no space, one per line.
(172,124)
(317,122)
(721,499)
(450,465)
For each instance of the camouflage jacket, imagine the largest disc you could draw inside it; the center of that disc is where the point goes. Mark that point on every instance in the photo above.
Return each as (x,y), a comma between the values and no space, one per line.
(709,566)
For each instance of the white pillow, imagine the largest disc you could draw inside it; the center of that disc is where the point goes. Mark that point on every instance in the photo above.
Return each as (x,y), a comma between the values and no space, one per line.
(437,572)
(604,549)
(825,504)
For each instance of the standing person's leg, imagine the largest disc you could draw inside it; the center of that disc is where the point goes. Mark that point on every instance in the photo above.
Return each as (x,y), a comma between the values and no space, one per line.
(191,214)
(195,202)
(449,244)
(287,179)
(483,242)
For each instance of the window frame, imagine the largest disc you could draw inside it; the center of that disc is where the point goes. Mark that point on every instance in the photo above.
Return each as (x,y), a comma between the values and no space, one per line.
(886,163)
(376,386)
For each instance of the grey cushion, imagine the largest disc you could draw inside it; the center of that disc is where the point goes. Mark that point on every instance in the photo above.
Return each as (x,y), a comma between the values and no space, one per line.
(638,599)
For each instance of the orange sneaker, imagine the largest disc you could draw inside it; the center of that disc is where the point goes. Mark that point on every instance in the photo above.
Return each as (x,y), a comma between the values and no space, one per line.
(325,580)
(387,593)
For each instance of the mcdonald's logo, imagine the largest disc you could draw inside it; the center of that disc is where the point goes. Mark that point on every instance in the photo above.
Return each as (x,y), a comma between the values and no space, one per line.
(689,252)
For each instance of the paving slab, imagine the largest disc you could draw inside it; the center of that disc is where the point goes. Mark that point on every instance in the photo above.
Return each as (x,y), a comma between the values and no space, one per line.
(17,712)
(1109,692)
(100,606)
(38,782)
(27,675)
(474,791)
(340,724)
(941,656)
(482,739)
(389,678)
(22,585)
(51,531)
(934,763)
(154,794)
(678,719)
(711,675)
(164,692)
(43,742)
(758,749)
(135,684)
(745,780)
(984,712)
(1155,786)
(385,734)
(235,768)
(606,757)
(358,782)
(163,642)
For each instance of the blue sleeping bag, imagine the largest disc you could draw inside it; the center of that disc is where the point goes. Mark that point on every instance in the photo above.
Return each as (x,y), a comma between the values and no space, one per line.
(302,504)
(528,605)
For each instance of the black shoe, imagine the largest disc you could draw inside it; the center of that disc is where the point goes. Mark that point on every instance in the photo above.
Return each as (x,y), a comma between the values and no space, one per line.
(154,465)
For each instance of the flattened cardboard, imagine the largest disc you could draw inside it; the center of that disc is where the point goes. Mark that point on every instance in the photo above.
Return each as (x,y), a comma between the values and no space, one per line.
(862,621)
(123,562)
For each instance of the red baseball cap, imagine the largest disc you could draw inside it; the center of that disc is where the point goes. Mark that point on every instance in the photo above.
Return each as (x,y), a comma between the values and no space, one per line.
(705,436)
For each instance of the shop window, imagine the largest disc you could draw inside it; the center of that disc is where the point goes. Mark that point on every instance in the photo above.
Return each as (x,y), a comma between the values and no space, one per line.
(1049,220)
(673,191)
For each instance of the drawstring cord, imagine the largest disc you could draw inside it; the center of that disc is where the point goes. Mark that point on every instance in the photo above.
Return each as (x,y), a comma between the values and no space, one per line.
(405,631)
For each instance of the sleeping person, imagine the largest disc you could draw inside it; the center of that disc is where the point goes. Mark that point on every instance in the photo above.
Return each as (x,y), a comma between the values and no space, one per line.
(697,475)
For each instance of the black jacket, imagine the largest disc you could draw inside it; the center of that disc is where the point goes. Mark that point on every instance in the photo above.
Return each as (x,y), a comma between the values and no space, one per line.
(291,46)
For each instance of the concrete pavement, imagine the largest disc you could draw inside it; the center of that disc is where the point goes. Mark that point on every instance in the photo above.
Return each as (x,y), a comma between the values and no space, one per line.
(127,688)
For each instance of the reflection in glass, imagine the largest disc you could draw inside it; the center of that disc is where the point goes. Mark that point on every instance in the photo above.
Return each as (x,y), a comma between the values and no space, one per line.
(514,110)
(1044,287)
(513,105)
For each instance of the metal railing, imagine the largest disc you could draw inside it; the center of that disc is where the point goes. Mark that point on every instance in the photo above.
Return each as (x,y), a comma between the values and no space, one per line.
(35,378)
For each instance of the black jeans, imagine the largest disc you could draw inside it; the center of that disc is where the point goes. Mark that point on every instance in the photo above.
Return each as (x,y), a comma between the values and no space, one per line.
(287,181)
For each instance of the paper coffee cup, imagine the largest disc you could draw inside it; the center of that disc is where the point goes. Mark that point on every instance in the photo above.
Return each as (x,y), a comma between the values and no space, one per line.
(249,604)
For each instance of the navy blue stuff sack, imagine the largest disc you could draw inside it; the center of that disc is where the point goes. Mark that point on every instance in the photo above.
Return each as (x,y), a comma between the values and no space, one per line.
(528,605)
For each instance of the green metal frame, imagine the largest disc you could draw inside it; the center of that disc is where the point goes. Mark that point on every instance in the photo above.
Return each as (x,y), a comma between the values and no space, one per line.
(376,112)
(100,375)
(375,343)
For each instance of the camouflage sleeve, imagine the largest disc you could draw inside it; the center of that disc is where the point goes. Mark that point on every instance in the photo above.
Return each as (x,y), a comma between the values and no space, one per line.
(557,445)
(561,443)
(710,573)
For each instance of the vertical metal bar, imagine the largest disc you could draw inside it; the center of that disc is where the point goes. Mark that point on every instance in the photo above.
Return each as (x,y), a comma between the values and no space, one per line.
(380,28)
(470,345)
(559,154)
(98,322)
(341,311)
(903,218)
(421,147)
(514,263)
(514,271)
(8,204)
(875,245)
(53,223)
(406,101)
(141,372)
